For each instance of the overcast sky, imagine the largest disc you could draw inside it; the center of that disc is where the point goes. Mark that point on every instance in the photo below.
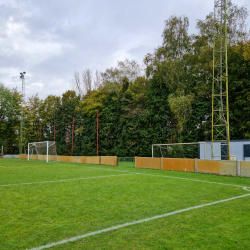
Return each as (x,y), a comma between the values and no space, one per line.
(50,39)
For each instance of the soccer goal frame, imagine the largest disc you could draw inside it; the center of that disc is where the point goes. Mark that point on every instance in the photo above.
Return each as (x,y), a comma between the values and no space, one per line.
(36,146)
(176,144)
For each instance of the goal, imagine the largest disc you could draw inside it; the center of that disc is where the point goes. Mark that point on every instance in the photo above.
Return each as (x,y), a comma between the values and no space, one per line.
(45,150)
(180,150)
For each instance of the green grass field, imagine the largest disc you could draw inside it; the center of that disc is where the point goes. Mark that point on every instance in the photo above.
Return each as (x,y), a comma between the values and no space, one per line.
(126,164)
(79,206)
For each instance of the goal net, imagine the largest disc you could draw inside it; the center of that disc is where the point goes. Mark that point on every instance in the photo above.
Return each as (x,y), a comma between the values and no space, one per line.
(45,150)
(180,150)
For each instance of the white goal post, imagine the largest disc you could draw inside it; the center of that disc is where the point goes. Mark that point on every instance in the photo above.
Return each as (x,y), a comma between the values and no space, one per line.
(181,150)
(45,150)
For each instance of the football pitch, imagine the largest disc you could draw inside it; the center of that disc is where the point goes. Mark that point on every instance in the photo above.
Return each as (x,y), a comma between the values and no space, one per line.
(59,205)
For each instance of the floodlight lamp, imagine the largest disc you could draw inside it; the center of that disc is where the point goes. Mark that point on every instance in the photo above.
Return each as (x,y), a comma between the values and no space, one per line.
(24,72)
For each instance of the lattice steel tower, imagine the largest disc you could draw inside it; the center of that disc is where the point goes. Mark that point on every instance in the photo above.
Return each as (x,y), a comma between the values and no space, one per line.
(220,107)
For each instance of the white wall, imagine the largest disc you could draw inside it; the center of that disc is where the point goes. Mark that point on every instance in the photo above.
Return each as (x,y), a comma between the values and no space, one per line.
(236,149)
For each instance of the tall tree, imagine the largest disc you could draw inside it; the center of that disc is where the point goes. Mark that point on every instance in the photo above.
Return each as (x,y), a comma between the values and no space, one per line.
(32,120)
(76,84)
(87,79)
(239,92)
(48,111)
(176,40)
(10,106)
(97,80)
(82,84)
(112,78)
(64,118)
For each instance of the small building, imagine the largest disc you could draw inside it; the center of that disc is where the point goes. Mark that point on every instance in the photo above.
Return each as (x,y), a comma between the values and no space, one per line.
(239,150)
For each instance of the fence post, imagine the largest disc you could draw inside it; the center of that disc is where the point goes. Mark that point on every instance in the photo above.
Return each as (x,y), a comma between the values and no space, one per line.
(195,165)
(238,170)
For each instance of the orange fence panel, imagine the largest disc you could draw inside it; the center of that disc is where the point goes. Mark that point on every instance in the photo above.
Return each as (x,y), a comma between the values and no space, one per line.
(64,158)
(109,160)
(91,159)
(175,164)
(33,157)
(54,158)
(240,168)
(22,156)
(208,166)
(148,162)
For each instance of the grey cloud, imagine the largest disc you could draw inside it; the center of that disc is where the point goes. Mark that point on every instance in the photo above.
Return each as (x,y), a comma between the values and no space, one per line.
(62,36)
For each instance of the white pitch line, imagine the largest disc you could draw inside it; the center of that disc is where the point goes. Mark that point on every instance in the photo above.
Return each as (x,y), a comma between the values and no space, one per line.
(212,182)
(76,179)
(167,176)
(133,223)
(246,189)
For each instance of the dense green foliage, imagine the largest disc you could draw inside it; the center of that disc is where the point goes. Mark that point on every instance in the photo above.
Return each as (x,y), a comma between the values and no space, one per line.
(10,101)
(172,103)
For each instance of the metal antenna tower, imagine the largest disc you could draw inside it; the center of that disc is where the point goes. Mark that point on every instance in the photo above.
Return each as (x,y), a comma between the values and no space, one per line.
(21,121)
(220,107)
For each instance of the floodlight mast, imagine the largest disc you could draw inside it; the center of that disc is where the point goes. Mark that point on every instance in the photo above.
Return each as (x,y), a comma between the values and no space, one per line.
(21,120)
(220,106)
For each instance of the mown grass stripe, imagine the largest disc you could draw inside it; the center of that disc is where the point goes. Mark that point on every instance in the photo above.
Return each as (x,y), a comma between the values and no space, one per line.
(134,223)
(76,179)
(127,171)
(166,176)
(25,167)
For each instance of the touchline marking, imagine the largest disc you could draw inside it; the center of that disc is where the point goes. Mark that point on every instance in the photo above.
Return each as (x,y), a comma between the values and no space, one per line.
(212,182)
(76,179)
(166,176)
(127,171)
(133,223)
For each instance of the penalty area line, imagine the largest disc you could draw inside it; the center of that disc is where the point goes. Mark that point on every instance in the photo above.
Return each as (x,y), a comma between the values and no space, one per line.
(133,223)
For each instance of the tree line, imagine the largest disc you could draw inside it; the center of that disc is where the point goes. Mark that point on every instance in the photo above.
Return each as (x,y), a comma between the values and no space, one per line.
(166,100)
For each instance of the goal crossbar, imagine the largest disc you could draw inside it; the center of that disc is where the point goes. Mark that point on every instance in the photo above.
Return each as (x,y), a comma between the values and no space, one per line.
(178,144)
